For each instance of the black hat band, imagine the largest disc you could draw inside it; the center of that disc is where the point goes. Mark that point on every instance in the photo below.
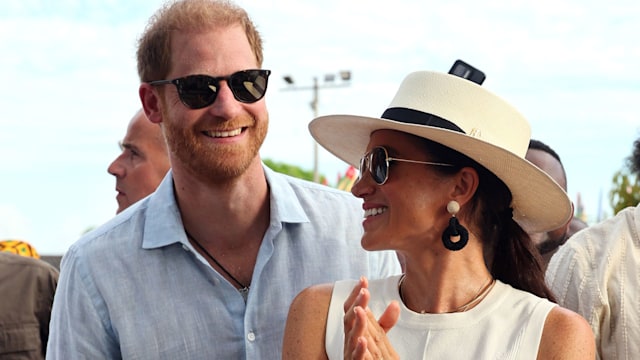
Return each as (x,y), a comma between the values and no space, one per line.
(411,116)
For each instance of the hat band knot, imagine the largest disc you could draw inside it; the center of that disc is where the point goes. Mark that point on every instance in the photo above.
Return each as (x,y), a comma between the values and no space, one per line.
(412,116)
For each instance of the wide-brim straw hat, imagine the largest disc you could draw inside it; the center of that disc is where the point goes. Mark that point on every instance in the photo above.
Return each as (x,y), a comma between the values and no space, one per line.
(463,116)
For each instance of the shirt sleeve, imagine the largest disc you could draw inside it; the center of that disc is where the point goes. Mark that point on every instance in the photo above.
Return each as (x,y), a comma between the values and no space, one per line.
(571,279)
(594,274)
(47,286)
(569,275)
(79,319)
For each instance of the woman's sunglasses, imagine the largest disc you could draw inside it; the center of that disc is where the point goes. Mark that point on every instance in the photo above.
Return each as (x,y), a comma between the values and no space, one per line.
(377,162)
(199,91)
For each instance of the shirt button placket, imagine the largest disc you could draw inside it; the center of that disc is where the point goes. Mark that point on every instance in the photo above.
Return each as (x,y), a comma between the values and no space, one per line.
(251,336)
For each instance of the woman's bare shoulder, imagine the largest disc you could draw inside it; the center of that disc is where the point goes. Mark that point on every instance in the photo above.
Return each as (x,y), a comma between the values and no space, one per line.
(566,335)
(305,329)
(315,294)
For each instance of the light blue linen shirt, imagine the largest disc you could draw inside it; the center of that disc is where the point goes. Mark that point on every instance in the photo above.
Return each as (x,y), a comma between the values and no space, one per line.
(135,288)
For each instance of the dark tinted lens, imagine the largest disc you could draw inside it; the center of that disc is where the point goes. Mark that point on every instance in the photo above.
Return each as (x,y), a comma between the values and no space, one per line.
(363,165)
(197,91)
(249,86)
(378,165)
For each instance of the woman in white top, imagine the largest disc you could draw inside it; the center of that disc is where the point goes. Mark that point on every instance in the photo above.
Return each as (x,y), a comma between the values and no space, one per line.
(444,182)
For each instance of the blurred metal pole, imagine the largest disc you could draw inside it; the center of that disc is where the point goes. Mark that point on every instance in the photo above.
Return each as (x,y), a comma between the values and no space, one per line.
(345,76)
(314,106)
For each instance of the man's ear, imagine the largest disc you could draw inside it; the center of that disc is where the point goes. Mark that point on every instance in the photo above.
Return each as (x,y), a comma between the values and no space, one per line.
(466,184)
(149,97)
(566,226)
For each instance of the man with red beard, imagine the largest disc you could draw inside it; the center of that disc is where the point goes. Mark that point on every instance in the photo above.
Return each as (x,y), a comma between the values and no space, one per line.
(207,266)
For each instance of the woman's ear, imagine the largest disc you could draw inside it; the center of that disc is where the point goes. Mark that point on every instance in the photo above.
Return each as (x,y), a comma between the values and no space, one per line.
(150,102)
(466,184)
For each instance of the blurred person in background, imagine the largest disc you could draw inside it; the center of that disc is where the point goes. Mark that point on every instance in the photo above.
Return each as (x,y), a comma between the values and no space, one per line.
(596,275)
(143,163)
(27,288)
(545,158)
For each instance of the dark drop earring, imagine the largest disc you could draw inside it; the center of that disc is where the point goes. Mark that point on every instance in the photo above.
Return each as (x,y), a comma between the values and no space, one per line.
(454,229)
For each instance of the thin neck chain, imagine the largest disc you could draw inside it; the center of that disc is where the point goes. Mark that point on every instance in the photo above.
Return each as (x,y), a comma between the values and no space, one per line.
(243,288)
(482,292)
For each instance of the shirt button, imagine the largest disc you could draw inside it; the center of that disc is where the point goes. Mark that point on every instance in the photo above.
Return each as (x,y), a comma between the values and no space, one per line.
(251,336)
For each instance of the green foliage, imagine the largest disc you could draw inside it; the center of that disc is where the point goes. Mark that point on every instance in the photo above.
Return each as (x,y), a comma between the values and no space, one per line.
(625,191)
(292,170)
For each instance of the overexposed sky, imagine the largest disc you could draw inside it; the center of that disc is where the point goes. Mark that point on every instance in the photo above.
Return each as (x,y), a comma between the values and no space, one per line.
(70,87)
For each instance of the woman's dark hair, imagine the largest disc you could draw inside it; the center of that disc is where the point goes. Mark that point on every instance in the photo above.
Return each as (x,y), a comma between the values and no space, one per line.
(513,258)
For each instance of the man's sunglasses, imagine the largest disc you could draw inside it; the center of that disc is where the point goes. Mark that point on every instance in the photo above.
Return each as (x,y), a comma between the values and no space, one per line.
(377,162)
(199,91)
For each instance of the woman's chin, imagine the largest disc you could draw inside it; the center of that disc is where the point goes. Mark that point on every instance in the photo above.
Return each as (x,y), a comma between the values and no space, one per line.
(373,243)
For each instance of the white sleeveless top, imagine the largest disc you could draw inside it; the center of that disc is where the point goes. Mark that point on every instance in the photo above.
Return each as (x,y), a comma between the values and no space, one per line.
(507,324)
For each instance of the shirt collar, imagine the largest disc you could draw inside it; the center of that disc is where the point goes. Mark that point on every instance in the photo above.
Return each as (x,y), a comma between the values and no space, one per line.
(163,222)
(285,205)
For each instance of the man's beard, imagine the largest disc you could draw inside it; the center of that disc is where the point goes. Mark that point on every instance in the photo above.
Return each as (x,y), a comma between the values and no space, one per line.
(549,244)
(213,163)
